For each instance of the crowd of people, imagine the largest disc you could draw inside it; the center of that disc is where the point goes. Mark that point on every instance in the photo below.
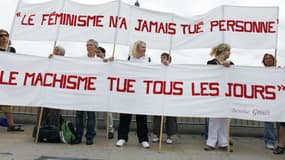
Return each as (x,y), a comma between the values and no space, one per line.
(216,130)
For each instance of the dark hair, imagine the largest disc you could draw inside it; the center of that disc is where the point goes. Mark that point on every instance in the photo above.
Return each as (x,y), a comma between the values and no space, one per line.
(271,56)
(102,50)
(168,56)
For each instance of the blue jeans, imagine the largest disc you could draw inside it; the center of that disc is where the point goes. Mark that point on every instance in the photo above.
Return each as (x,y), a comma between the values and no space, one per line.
(91,122)
(269,134)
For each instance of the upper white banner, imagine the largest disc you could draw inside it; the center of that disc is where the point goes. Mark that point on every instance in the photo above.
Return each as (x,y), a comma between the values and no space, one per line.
(120,23)
(254,93)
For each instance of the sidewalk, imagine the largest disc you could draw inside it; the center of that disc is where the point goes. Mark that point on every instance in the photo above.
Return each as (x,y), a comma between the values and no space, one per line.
(20,146)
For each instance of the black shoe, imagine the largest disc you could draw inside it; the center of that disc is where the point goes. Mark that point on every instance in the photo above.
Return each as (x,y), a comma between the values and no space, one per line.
(89,141)
(77,141)
(110,135)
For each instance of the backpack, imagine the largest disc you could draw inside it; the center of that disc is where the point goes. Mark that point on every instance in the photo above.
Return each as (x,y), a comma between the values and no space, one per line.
(67,132)
(50,126)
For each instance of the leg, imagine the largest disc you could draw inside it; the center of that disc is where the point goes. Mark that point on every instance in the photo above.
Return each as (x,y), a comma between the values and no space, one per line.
(171,126)
(269,136)
(110,127)
(278,132)
(222,133)
(282,136)
(142,129)
(281,146)
(79,125)
(213,132)
(111,123)
(206,128)
(10,119)
(156,125)
(124,126)
(91,123)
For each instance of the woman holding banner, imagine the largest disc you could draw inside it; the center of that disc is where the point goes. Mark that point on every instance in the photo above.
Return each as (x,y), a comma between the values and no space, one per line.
(171,122)
(217,131)
(91,47)
(138,55)
(5,47)
(269,60)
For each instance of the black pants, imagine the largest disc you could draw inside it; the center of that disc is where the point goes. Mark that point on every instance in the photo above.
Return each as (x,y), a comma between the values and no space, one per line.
(170,125)
(124,127)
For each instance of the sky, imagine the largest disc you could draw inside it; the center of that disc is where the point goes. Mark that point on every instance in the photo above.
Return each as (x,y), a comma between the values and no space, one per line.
(185,8)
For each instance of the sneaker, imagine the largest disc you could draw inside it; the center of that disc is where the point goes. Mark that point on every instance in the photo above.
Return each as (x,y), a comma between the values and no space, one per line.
(77,141)
(269,146)
(145,144)
(155,140)
(209,148)
(89,142)
(169,140)
(121,143)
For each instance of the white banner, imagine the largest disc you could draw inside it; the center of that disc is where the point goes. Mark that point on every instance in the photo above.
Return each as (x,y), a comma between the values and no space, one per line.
(120,23)
(253,93)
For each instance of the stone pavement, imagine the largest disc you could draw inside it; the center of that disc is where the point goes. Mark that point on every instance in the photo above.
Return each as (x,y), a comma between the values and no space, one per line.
(20,146)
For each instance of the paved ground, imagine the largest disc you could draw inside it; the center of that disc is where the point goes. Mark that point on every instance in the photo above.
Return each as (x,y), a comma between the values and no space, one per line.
(20,146)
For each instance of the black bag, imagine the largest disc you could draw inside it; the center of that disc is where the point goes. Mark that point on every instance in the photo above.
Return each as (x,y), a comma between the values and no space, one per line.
(47,134)
(50,126)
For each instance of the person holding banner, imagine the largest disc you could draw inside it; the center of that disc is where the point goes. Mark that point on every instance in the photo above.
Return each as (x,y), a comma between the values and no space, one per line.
(92,47)
(101,53)
(269,60)
(217,131)
(57,51)
(5,46)
(138,55)
(171,122)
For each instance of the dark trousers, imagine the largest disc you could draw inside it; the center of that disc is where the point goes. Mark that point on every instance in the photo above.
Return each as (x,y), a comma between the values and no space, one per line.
(90,127)
(124,127)
(170,125)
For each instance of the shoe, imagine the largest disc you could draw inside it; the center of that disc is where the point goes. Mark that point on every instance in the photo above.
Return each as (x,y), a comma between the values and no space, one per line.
(121,143)
(225,149)
(110,135)
(209,148)
(15,128)
(77,141)
(269,146)
(169,140)
(145,144)
(278,150)
(155,140)
(89,141)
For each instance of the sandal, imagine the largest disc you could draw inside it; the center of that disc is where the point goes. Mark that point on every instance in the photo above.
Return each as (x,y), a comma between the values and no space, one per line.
(16,128)
(278,150)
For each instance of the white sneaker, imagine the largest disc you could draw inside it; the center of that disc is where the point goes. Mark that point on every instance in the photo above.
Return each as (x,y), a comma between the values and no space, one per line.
(155,140)
(269,146)
(145,144)
(169,140)
(121,143)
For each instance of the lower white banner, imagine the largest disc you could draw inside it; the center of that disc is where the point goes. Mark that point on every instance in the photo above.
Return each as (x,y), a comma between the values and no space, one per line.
(253,93)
